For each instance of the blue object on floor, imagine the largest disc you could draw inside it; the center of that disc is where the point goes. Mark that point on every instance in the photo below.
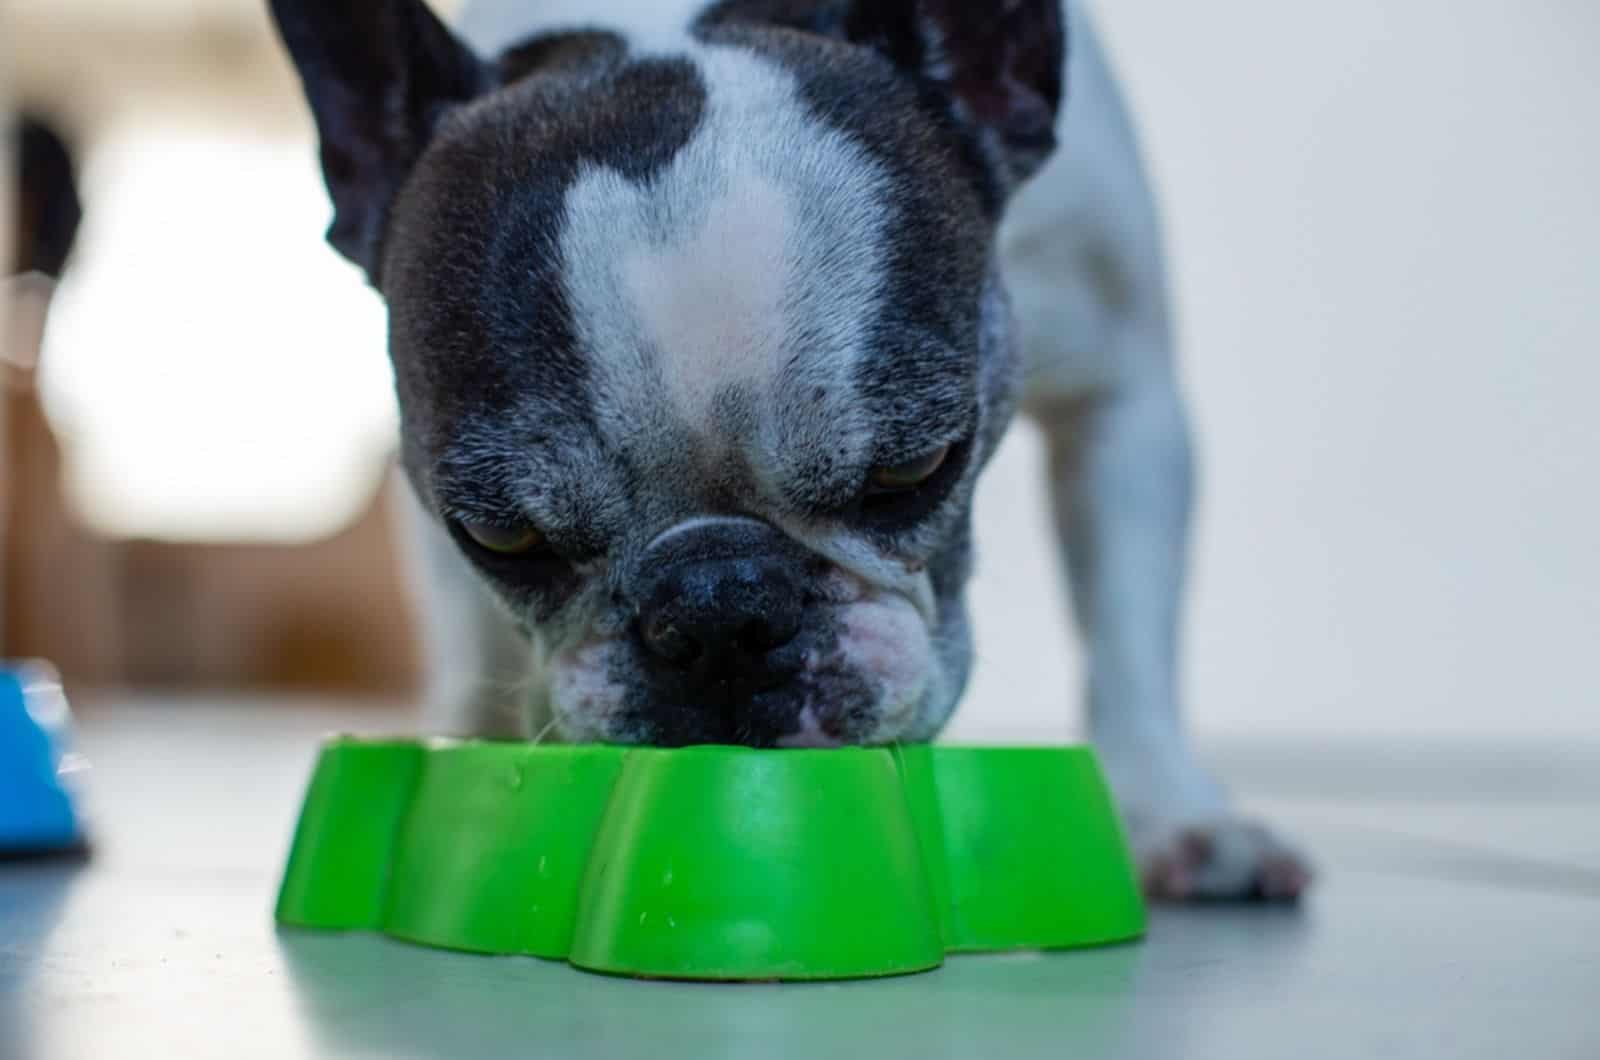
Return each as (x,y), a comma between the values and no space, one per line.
(36,807)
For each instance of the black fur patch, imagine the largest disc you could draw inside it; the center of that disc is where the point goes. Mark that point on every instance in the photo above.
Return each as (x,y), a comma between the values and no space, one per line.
(482,336)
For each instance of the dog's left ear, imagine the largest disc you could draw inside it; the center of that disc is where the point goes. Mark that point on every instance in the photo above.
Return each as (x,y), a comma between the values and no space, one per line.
(378,74)
(999,62)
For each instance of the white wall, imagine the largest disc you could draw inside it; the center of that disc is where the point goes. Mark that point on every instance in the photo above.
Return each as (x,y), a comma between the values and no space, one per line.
(1385,221)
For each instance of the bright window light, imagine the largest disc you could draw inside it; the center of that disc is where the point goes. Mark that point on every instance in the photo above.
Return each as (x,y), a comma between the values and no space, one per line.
(216,372)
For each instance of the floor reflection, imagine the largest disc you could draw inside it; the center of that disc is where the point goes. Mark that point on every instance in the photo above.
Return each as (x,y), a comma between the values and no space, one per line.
(372,995)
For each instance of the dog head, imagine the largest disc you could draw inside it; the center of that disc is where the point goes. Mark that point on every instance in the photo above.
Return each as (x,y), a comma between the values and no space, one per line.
(699,342)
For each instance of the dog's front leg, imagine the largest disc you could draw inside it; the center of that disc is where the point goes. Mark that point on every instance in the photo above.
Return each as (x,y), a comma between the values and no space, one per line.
(1122,477)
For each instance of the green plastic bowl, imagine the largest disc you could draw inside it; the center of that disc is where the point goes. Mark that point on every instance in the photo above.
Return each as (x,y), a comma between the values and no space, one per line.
(713,862)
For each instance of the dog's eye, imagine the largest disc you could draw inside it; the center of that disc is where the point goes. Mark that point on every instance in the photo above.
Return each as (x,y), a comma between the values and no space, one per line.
(909,475)
(896,497)
(505,540)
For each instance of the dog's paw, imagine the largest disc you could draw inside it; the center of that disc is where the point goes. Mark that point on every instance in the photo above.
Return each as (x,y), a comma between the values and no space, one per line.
(1218,859)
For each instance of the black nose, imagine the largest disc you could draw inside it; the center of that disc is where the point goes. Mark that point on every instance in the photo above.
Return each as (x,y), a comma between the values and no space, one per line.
(724,618)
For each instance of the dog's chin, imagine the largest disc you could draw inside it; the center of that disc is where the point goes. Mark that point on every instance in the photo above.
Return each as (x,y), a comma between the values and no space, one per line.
(874,678)
(810,734)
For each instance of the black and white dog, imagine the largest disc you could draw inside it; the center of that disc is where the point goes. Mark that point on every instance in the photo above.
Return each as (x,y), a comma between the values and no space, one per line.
(705,320)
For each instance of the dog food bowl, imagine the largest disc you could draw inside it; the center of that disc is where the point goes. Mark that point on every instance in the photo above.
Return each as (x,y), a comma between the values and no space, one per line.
(713,862)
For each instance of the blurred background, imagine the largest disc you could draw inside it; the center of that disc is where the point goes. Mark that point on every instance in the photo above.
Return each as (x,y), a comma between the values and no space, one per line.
(1385,245)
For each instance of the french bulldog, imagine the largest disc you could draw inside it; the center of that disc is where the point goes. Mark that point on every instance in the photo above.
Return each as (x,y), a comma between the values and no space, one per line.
(705,319)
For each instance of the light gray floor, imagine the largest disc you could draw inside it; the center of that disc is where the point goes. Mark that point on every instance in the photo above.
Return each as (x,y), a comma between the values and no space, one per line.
(1458,916)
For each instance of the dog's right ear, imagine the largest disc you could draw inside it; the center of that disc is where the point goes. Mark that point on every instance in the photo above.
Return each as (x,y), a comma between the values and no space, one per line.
(379,74)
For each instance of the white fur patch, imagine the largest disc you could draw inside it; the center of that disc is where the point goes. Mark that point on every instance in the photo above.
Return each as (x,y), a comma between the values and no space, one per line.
(755,257)
(885,641)
(583,695)
(711,305)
